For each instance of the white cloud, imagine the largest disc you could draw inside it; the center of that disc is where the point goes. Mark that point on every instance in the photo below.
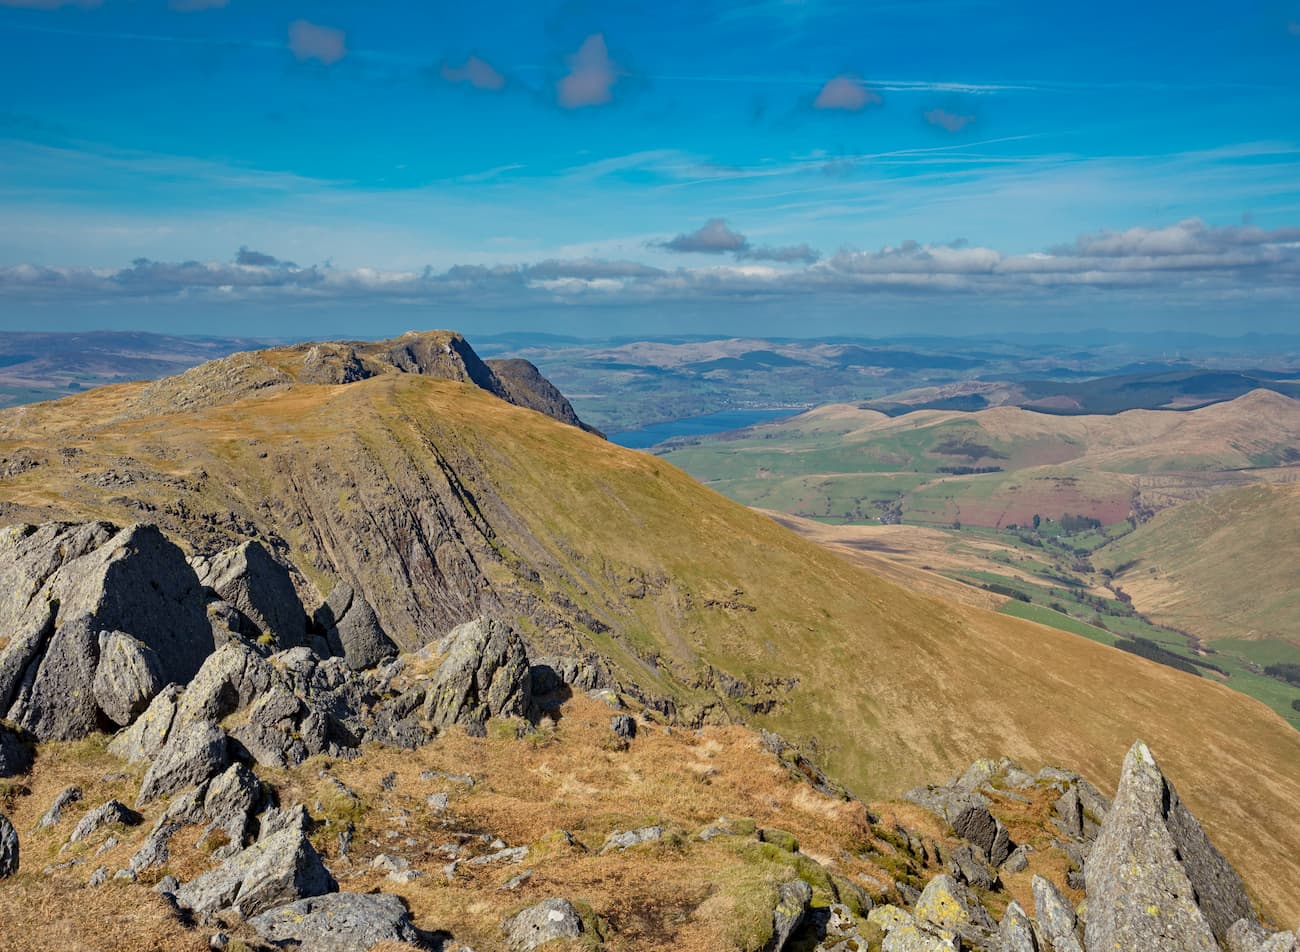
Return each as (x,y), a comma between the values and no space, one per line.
(591,77)
(951,121)
(312,41)
(846,92)
(479,73)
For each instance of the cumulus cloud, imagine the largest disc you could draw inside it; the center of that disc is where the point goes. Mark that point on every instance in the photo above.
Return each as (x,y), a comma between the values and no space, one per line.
(309,41)
(1190,258)
(948,120)
(479,73)
(714,237)
(846,92)
(591,77)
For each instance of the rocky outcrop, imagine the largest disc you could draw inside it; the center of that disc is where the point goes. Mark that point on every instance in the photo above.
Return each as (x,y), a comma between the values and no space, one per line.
(484,674)
(55,700)
(193,754)
(127,677)
(8,848)
(106,814)
(249,578)
(524,385)
(275,871)
(352,629)
(1155,881)
(545,922)
(338,922)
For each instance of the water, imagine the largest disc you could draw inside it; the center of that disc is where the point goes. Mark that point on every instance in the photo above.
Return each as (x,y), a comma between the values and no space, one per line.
(718,422)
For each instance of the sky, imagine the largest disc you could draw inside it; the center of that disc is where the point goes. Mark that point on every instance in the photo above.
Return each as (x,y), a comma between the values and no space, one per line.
(793,167)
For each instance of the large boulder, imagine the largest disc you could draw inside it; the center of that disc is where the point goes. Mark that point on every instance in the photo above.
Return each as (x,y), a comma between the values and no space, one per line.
(55,700)
(273,872)
(1155,881)
(127,677)
(248,577)
(985,831)
(545,922)
(485,674)
(147,735)
(8,847)
(352,629)
(338,922)
(192,755)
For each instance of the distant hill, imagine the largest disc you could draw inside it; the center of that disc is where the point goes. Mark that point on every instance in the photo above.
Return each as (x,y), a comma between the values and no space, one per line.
(438,501)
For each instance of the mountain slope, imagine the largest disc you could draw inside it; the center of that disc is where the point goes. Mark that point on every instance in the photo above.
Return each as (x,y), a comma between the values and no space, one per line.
(438,500)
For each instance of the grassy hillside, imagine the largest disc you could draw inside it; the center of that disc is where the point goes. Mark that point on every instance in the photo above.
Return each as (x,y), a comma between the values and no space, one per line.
(995,467)
(440,500)
(1223,567)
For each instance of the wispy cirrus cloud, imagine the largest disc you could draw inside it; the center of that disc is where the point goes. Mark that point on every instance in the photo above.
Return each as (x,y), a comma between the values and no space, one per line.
(308,41)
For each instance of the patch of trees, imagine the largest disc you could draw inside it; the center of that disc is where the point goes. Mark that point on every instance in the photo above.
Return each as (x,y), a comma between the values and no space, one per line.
(1078,523)
(955,446)
(1295,705)
(1284,672)
(998,588)
(1145,648)
(968,470)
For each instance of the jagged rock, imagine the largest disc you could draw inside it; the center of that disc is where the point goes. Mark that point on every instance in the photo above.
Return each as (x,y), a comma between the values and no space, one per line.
(1155,881)
(277,870)
(127,677)
(339,922)
(16,751)
(904,933)
(966,865)
(352,629)
(1016,932)
(230,800)
(976,824)
(104,815)
(1247,935)
(547,921)
(1055,917)
(98,877)
(134,580)
(57,702)
(944,903)
(619,841)
(67,796)
(1017,860)
(1069,813)
(231,678)
(792,900)
(250,579)
(147,735)
(623,725)
(193,754)
(8,847)
(484,674)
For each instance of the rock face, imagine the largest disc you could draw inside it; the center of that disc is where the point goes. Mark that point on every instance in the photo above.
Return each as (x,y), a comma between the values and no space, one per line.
(247,577)
(8,847)
(352,629)
(547,921)
(278,870)
(66,584)
(525,386)
(484,674)
(341,922)
(1155,881)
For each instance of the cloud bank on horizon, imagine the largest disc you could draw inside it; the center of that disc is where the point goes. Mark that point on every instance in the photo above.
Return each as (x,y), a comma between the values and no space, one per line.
(731,162)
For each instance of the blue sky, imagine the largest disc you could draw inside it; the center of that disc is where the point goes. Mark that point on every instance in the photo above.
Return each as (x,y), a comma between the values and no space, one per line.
(782,166)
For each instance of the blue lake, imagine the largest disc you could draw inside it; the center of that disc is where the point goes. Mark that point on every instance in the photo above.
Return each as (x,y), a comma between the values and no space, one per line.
(719,422)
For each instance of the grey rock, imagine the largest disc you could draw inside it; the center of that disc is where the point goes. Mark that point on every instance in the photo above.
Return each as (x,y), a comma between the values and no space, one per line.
(341,922)
(1017,860)
(147,735)
(55,702)
(547,921)
(1055,916)
(976,824)
(249,578)
(966,865)
(106,814)
(792,900)
(945,904)
(98,877)
(352,629)
(623,725)
(16,751)
(230,800)
(484,674)
(273,872)
(127,677)
(8,847)
(192,755)
(1016,932)
(167,885)
(232,677)
(1069,813)
(1247,935)
(1155,881)
(619,841)
(67,796)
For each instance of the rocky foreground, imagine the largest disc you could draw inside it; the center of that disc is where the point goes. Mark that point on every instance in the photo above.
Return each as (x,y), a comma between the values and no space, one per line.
(239,736)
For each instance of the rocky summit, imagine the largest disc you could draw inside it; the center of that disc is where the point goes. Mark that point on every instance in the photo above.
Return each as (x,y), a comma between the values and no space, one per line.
(460,675)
